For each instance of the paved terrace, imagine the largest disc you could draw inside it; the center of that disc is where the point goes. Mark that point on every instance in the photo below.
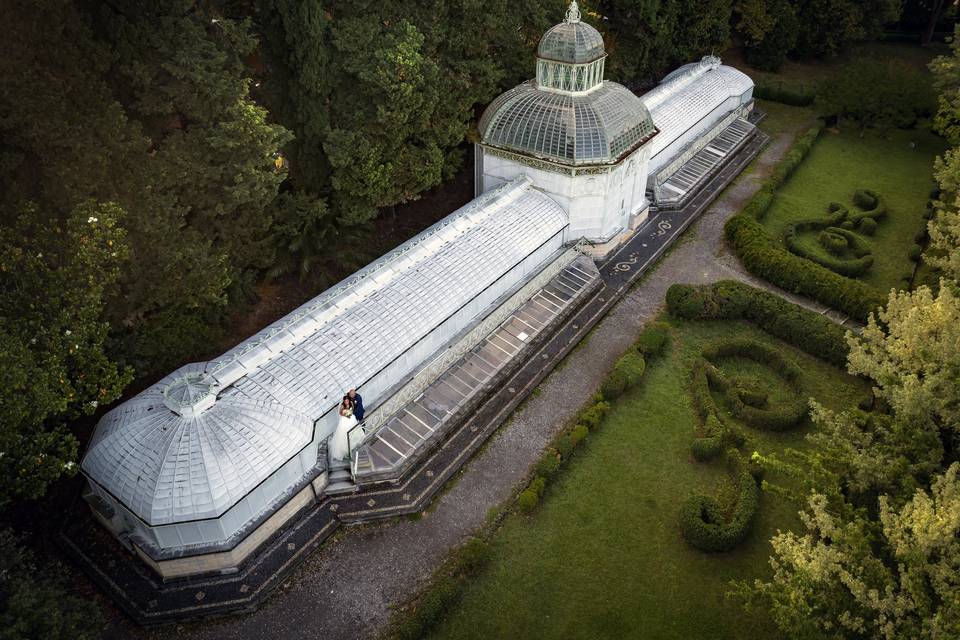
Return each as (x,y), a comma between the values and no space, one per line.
(346,589)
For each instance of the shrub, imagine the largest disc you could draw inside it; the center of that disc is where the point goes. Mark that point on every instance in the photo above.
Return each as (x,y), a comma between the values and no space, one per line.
(915,252)
(848,225)
(871,205)
(832,242)
(753,397)
(528,500)
(732,300)
(704,449)
(564,447)
(578,434)
(865,199)
(654,339)
(868,226)
(473,557)
(593,415)
(614,385)
(702,523)
(920,236)
(626,374)
(440,597)
(928,214)
(538,485)
(548,464)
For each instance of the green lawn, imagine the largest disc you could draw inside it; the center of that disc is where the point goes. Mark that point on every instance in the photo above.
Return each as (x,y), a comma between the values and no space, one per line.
(839,164)
(602,557)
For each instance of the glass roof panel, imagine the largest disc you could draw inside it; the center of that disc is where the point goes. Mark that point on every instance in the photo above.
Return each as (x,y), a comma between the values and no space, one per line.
(167,468)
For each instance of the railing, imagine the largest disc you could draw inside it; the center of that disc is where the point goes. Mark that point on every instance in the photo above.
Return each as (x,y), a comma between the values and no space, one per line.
(426,376)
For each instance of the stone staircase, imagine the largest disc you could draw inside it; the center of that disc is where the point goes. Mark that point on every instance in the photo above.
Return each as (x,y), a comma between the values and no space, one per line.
(340,480)
(426,419)
(699,169)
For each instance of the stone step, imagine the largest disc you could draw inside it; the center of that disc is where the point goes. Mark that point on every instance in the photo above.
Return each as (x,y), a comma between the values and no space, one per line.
(340,475)
(336,465)
(337,488)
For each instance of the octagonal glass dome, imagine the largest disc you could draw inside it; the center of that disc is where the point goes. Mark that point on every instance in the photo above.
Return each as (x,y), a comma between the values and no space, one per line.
(597,128)
(569,115)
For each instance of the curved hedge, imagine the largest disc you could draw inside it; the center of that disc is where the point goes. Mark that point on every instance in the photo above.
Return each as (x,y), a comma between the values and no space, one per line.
(780,417)
(732,300)
(850,267)
(763,257)
(703,525)
(871,205)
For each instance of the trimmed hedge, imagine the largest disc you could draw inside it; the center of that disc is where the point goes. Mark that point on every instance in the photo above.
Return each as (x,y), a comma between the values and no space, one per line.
(833,242)
(838,240)
(703,525)
(653,340)
(769,418)
(732,300)
(872,206)
(626,374)
(784,95)
(764,258)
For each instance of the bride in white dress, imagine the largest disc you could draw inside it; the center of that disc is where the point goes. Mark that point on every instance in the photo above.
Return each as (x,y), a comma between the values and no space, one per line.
(339,443)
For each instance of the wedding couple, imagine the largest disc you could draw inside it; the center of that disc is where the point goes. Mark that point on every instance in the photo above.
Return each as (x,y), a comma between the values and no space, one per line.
(351,412)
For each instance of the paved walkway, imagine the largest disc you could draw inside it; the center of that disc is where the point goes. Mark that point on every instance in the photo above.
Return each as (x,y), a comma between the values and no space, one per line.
(346,589)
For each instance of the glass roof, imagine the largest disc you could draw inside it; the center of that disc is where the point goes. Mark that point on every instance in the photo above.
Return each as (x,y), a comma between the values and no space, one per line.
(688,95)
(167,466)
(571,40)
(595,128)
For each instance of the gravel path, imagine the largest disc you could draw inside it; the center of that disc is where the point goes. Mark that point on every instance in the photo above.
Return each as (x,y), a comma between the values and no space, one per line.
(345,590)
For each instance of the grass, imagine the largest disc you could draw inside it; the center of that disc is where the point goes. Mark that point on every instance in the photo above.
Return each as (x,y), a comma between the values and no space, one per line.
(843,162)
(603,557)
(782,118)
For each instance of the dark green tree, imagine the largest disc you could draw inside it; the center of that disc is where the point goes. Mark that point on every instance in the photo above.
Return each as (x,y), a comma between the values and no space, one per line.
(54,275)
(876,93)
(35,601)
(642,38)
(828,26)
(199,232)
(768,29)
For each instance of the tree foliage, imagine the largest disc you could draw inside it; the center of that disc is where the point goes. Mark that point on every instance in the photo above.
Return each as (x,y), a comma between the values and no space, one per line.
(34,602)
(911,350)
(846,576)
(54,275)
(882,94)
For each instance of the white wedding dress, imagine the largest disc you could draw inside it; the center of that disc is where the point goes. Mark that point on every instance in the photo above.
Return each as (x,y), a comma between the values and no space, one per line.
(339,444)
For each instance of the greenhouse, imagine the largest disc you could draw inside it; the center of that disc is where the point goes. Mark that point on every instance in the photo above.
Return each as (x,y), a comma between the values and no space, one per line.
(200,459)
(200,469)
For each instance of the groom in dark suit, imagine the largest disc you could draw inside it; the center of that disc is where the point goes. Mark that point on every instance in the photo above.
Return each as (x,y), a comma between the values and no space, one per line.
(357,404)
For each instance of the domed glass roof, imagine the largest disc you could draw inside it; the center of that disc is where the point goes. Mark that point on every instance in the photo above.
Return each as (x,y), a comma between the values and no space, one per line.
(599,127)
(571,40)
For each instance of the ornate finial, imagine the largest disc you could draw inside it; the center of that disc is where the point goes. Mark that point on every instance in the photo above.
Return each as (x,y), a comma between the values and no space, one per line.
(573,12)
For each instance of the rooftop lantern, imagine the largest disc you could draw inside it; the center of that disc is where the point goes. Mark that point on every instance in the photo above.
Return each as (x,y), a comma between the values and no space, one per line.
(571,56)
